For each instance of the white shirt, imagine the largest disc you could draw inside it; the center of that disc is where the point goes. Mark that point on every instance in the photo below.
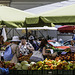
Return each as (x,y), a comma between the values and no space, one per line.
(23,48)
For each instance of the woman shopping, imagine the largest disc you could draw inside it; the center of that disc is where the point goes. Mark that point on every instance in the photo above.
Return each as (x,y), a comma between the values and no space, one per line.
(12,50)
(25,47)
(43,47)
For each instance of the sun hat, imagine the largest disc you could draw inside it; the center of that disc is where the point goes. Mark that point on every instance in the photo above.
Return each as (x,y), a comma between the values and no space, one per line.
(60,40)
(15,39)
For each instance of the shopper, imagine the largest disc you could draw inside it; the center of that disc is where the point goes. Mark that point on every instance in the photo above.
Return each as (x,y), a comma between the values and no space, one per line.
(15,49)
(43,47)
(34,43)
(61,41)
(25,47)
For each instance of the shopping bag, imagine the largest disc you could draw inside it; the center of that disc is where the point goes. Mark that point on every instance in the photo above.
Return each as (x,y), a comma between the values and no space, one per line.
(37,56)
(4,71)
(8,54)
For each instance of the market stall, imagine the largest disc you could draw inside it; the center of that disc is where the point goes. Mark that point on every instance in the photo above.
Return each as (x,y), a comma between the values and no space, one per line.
(63,15)
(63,64)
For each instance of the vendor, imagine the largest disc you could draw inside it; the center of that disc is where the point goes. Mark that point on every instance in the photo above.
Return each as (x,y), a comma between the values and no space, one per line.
(25,47)
(43,47)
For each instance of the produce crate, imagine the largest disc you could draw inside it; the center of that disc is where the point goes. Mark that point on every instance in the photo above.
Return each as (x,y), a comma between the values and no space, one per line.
(68,72)
(42,72)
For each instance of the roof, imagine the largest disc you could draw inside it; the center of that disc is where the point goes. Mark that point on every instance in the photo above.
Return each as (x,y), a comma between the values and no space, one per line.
(49,7)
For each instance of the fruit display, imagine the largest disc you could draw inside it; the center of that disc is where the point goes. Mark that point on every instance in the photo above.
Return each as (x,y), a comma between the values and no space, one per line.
(46,65)
(53,64)
(67,57)
(7,64)
(25,57)
(24,65)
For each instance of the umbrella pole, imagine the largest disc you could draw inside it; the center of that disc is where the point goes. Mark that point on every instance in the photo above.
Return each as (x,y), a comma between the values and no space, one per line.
(42,35)
(26,33)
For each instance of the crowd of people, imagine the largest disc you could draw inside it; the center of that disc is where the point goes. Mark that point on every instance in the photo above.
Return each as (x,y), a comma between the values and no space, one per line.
(24,47)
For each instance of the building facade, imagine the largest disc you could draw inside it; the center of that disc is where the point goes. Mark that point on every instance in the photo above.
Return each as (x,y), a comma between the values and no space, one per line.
(5,2)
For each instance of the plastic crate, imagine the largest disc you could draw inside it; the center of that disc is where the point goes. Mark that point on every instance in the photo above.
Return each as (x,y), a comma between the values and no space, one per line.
(54,72)
(11,72)
(42,72)
(68,72)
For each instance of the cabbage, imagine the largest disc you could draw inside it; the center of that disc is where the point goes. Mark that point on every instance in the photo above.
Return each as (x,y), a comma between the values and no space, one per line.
(24,62)
(17,65)
(19,68)
(25,67)
(32,63)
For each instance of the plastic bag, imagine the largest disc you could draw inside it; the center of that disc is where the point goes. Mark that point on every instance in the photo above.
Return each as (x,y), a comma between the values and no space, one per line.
(4,71)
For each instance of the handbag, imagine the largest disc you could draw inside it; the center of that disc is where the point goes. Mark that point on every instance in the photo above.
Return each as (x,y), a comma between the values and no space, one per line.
(37,56)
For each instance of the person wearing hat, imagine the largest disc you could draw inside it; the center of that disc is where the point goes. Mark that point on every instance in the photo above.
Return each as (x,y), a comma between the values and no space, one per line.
(34,43)
(61,41)
(15,49)
(25,47)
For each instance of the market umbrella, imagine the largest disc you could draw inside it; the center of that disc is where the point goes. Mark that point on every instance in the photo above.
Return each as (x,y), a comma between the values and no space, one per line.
(12,17)
(49,7)
(66,29)
(60,15)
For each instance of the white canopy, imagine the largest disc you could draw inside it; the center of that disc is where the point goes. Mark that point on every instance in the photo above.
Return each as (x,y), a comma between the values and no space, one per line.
(45,8)
(38,28)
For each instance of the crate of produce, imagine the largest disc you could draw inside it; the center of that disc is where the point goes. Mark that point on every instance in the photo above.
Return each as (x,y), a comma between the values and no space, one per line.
(25,58)
(68,56)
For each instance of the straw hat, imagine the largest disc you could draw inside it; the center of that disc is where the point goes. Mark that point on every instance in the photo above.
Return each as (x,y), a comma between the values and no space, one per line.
(15,39)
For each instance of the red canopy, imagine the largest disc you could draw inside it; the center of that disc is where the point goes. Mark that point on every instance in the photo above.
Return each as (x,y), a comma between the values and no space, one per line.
(66,29)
